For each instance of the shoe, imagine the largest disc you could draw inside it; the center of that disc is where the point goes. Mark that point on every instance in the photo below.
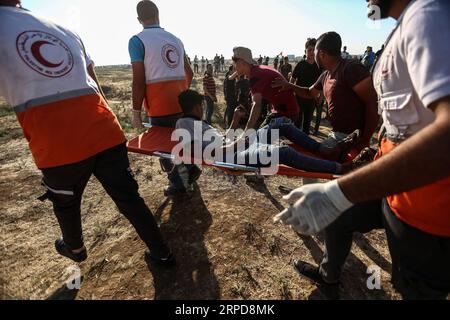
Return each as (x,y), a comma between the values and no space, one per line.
(194,174)
(62,248)
(343,147)
(169,261)
(347,144)
(173,191)
(365,157)
(310,272)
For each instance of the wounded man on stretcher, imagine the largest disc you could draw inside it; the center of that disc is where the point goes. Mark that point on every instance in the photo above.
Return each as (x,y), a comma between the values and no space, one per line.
(255,153)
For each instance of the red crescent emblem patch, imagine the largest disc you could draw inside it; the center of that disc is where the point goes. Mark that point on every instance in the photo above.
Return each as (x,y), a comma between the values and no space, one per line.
(45,53)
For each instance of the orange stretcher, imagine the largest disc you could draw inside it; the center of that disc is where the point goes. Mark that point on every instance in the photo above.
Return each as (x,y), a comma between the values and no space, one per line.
(157,142)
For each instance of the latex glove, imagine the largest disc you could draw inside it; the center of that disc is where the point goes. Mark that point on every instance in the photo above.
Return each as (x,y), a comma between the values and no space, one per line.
(314,207)
(137,119)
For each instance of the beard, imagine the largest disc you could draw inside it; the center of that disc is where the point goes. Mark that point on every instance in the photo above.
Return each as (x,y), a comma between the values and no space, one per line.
(379,9)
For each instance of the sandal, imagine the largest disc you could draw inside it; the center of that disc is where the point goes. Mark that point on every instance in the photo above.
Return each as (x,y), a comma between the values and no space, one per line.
(63,249)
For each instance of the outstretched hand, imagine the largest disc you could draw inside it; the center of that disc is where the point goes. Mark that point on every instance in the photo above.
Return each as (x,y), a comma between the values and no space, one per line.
(282,84)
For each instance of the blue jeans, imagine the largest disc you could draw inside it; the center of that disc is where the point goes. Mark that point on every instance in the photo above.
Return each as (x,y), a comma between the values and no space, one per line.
(209,109)
(287,155)
(288,130)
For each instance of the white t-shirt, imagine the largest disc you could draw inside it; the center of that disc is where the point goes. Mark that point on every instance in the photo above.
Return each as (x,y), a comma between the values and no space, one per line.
(414,70)
(209,136)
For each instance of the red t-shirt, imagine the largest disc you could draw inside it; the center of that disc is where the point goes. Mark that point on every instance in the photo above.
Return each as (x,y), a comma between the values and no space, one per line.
(347,111)
(283,103)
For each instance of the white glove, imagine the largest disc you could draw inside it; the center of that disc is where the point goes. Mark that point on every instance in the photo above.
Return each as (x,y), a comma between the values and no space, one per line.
(314,207)
(137,119)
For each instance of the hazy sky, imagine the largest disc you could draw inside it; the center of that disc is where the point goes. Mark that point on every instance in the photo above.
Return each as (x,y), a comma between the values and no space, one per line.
(207,27)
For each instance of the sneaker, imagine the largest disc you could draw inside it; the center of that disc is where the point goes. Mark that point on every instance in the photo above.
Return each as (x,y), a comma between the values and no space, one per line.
(194,174)
(365,157)
(173,191)
(62,248)
(347,144)
(339,152)
(169,261)
(310,272)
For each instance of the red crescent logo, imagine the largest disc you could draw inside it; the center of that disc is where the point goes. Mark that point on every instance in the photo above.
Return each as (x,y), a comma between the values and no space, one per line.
(36,50)
(29,46)
(171,56)
(168,56)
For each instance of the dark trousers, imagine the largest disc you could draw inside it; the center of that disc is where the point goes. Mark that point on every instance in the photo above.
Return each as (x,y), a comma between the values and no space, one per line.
(66,185)
(209,109)
(229,112)
(307,107)
(166,164)
(420,261)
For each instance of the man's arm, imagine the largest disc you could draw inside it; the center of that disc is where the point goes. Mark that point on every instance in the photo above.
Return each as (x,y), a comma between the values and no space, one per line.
(306,93)
(188,71)
(366,92)
(139,90)
(139,85)
(426,155)
(93,75)
(255,112)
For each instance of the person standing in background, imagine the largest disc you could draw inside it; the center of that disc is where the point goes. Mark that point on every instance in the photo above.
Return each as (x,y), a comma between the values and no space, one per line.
(305,74)
(209,89)
(286,68)
(229,91)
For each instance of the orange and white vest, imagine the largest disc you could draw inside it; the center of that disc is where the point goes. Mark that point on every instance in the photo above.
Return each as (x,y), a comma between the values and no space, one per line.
(404,115)
(43,77)
(164,71)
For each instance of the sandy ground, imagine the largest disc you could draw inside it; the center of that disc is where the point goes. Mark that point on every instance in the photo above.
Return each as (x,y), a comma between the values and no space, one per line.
(223,236)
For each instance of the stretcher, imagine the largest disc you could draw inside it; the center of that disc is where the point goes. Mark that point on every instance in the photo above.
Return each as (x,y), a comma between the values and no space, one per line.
(157,142)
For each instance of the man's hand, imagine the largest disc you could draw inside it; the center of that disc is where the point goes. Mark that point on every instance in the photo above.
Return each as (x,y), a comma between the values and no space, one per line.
(240,112)
(314,207)
(137,119)
(282,84)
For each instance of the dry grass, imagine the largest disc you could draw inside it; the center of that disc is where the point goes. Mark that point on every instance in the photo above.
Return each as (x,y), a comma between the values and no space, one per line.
(223,235)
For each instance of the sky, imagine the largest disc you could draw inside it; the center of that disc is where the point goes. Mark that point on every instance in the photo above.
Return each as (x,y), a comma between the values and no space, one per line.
(207,27)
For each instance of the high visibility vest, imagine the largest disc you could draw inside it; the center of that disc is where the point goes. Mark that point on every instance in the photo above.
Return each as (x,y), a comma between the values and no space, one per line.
(43,77)
(404,115)
(164,72)
(426,208)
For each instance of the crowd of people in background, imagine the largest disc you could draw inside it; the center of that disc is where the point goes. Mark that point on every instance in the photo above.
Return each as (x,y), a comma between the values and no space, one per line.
(302,71)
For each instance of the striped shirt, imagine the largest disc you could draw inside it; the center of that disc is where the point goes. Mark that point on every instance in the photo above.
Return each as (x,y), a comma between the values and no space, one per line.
(209,86)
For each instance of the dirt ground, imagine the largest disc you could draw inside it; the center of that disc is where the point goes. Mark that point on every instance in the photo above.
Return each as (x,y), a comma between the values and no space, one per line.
(223,237)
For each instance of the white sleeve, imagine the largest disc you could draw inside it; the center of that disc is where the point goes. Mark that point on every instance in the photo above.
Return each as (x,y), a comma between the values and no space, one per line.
(89,61)
(426,38)
(186,124)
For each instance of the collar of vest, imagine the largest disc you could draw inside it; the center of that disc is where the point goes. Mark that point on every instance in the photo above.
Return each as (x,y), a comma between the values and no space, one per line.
(152,26)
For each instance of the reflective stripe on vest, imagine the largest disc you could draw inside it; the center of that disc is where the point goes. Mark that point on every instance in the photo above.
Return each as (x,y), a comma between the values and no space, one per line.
(53,98)
(426,208)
